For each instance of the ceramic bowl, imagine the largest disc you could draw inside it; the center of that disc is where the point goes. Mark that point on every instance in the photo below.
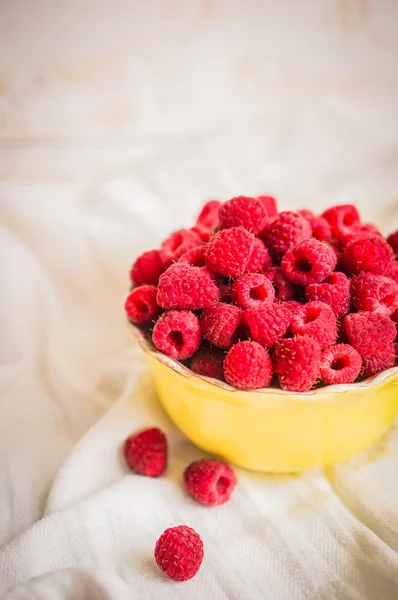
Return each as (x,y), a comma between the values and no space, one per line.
(272,430)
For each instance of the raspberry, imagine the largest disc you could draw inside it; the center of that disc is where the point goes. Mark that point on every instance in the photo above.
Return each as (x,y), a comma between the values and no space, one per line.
(371,254)
(317,320)
(296,362)
(343,219)
(186,287)
(208,216)
(194,256)
(252,289)
(210,481)
(286,230)
(177,243)
(146,452)
(248,366)
(260,259)
(321,229)
(335,291)
(284,290)
(177,334)
(202,232)
(208,362)
(267,324)
(393,241)
(179,552)
(310,261)
(141,306)
(269,204)
(244,212)
(229,251)
(379,362)
(147,268)
(392,272)
(293,307)
(374,292)
(220,324)
(340,364)
(370,333)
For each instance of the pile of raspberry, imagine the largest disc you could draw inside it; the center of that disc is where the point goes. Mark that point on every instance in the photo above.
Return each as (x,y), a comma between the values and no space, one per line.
(260,298)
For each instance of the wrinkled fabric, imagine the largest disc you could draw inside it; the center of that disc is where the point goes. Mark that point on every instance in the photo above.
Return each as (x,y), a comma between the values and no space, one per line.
(107,143)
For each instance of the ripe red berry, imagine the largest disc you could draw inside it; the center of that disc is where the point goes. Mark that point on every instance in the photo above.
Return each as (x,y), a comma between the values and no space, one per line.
(310,261)
(195,257)
(141,306)
(335,291)
(208,362)
(371,292)
(147,268)
(370,333)
(260,259)
(248,366)
(244,212)
(385,359)
(340,364)
(210,481)
(393,241)
(186,287)
(267,324)
(208,216)
(286,230)
(146,452)
(343,219)
(220,324)
(177,243)
(179,552)
(296,362)
(252,289)
(269,204)
(284,290)
(317,320)
(177,333)
(371,254)
(229,251)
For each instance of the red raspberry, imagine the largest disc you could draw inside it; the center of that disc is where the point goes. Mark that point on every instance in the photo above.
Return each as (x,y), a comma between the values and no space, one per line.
(284,290)
(371,254)
(370,333)
(220,324)
(296,362)
(141,306)
(248,366)
(210,481)
(252,289)
(186,287)
(343,219)
(393,241)
(379,362)
(177,334)
(317,320)
(260,259)
(202,232)
(177,243)
(229,251)
(269,204)
(243,212)
(340,364)
(208,216)
(146,452)
(179,552)
(335,291)
(310,261)
(208,362)
(392,272)
(147,268)
(321,229)
(374,292)
(286,230)
(293,307)
(194,256)
(267,324)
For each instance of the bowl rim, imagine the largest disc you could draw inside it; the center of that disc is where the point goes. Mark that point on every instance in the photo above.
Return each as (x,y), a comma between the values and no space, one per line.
(181,369)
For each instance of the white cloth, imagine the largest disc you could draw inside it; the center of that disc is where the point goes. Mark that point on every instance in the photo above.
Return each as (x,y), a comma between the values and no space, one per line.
(80,199)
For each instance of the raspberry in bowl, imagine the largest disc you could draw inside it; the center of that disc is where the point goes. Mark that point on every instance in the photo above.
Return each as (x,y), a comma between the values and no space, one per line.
(272,335)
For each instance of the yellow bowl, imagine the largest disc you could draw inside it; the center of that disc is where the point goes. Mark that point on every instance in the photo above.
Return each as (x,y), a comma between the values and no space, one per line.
(274,430)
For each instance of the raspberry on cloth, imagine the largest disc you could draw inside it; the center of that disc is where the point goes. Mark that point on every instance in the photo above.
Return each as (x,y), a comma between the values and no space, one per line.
(210,481)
